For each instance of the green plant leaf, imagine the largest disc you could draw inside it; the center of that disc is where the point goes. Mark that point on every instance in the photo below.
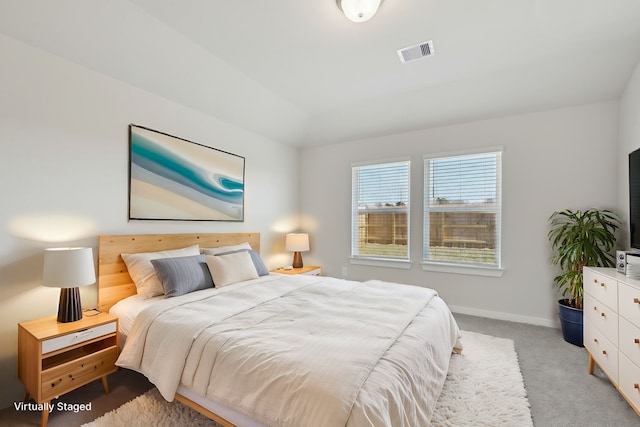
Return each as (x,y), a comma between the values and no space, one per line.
(579,239)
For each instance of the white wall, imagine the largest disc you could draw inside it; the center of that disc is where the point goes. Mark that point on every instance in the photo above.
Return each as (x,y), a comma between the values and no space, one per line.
(628,141)
(552,160)
(63,178)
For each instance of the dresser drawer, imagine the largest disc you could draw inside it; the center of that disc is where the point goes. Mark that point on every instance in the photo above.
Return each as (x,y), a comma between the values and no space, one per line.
(79,337)
(629,341)
(602,288)
(629,383)
(63,378)
(602,350)
(602,317)
(629,303)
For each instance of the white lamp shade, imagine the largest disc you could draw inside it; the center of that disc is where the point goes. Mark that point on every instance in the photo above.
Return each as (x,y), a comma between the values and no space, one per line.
(359,10)
(68,267)
(297,242)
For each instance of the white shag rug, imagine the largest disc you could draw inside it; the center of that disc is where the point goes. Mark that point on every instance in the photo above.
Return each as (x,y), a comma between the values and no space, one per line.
(484,387)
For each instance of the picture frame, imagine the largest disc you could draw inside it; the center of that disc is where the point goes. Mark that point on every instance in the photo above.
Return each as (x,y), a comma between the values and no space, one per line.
(172,178)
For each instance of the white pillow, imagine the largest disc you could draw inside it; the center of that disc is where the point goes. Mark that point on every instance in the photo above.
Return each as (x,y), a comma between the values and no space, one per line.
(231,268)
(223,249)
(144,274)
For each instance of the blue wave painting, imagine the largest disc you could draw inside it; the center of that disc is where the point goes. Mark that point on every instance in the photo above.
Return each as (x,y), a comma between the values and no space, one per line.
(172,178)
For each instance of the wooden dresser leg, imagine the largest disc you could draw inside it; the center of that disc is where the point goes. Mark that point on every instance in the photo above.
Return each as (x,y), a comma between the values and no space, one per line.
(591,364)
(45,414)
(105,385)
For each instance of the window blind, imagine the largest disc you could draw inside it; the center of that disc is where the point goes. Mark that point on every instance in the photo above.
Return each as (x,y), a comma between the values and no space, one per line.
(380,210)
(462,209)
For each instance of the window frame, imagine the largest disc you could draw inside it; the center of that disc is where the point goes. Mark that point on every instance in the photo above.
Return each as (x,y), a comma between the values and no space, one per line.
(493,270)
(376,260)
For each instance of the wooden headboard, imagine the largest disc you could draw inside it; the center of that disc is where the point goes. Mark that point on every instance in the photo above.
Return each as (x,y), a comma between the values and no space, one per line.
(114,282)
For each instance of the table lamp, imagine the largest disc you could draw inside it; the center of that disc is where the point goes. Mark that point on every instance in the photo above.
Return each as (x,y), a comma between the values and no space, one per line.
(296,243)
(68,268)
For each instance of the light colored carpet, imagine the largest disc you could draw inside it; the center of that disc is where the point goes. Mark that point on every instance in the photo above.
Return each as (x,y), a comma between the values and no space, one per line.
(484,387)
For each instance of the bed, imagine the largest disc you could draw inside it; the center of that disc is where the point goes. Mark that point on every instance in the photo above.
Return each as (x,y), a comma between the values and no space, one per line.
(280,350)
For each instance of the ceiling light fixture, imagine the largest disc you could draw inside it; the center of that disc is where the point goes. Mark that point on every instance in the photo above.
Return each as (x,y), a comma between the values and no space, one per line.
(359,10)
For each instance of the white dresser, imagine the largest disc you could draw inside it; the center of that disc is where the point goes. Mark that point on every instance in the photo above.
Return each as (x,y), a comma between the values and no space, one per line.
(612,329)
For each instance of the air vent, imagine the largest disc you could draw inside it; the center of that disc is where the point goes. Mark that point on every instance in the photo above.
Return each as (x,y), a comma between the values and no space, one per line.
(412,53)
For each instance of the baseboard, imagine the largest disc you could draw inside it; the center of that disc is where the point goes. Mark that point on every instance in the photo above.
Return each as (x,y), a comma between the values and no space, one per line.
(505,316)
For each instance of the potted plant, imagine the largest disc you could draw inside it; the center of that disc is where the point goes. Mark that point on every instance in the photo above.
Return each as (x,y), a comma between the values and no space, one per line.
(579,239)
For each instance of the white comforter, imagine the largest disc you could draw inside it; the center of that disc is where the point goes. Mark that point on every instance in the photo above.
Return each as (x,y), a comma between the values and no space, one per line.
(302,350)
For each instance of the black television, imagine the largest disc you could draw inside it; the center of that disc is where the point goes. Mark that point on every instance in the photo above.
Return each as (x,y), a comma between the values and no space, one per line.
(634,198)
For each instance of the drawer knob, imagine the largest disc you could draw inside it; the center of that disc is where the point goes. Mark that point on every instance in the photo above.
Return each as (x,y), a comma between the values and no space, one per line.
(602,284)
(603,315)
(604,351)
(636,386)
(595,308)
(637,340)
(636,301)
(595,280)
(595,340)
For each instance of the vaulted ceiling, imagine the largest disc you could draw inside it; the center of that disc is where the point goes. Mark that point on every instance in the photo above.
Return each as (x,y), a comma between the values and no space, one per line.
(299,72)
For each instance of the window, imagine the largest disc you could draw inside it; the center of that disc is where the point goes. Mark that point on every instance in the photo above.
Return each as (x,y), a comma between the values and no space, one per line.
(462,206)
(380,211)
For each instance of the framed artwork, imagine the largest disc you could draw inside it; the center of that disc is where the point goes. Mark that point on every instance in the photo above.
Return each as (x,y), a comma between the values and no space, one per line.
(171,178)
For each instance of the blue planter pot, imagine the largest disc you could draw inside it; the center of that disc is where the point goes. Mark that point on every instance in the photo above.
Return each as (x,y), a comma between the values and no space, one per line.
(571,323)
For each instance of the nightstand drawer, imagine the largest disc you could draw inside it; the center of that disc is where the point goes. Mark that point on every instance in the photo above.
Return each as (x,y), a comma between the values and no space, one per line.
(68,376)
(314,272)
(77,338)
(601,287)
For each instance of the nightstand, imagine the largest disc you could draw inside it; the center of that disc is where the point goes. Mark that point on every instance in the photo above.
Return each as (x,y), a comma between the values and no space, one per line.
(55,358)
(311,270)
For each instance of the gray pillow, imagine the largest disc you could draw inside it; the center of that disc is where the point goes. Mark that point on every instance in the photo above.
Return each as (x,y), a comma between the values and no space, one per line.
(182,275)
(255,257)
